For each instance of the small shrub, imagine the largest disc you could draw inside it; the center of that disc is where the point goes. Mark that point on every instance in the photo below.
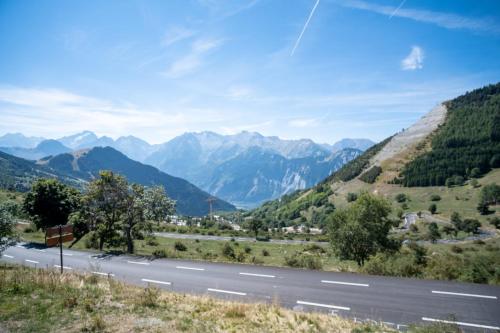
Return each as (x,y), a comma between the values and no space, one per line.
(236,311)
(265,253)
(149,297)
(413,228)
(351,197)
(315,248)
(248,249)
(433,209)
(304,260)
(401,197)
(228,251)
(160,253)
(456,249)
(240,256)
(179,246)
(435,197)
(151,241)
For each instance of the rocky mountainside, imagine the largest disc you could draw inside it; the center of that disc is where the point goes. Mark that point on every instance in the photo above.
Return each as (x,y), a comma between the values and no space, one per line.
(86,164)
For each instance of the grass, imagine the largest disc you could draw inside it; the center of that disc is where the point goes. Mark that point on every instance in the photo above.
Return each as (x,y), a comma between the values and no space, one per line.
(37,300)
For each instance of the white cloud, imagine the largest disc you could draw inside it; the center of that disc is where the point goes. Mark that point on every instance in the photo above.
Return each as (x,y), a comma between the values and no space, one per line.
(303,122)
(194,59)
(176,34)
(414,60)
(442,19)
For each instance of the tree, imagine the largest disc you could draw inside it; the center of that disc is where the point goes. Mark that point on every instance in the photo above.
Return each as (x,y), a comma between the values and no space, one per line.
(434,233)
(489,195)
(351,197)
(401,197)
(433,208)
(106,197)
(50,203)
(362,229)
(134,215)
(157,205)
(255,225)
(495,222)
(456,220)
(471,226)
(7,229)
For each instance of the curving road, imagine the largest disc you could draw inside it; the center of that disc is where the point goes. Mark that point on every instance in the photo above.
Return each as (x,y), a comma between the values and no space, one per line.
(395,301)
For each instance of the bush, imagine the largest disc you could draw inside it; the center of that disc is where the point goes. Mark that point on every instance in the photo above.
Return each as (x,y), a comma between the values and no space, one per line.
(92,241)
(435,197)
(151,240)
(179,246)
(495,221)
(351,197)
(265,253)
(456,249)
(263,238)
(228,250)
(160,253)
(247,249)
(304,260)
(401,197)
(433,208)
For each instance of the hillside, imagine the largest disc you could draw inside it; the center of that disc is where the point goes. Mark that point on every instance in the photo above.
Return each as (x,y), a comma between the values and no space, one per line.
(18,174)
(86,164)
(458,138)
(43,149)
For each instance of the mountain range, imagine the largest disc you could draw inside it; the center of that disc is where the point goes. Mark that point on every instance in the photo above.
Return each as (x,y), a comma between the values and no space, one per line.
(245,169)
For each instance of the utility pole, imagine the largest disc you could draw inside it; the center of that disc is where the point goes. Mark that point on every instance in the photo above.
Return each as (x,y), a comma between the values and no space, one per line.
(210,201)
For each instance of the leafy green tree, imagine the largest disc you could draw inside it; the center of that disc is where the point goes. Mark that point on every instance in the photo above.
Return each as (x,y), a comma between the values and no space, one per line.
(255,225)
(490,194)
(495,222)
(7,229)
(50,202)
(362,229)
(471,226)
(133,219)
(107,198)
(157,205)
(433,208)
(434,233)
(401,197)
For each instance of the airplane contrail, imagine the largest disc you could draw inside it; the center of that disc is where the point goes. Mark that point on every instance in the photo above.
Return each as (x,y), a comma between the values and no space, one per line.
(304,28)
(396,10)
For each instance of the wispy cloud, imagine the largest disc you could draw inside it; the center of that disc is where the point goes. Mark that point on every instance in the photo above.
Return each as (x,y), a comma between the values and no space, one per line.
(442,19)
(414,60)
(303,122)
(56,112)
(228,8)
(304,28)
(176,34)
(194,59)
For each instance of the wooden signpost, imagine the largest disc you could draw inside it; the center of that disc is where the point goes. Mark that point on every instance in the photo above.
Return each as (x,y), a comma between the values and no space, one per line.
(57,236)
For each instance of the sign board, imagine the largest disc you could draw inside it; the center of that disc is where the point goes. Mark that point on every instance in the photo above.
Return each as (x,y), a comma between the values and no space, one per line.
(54,241)
(53,231)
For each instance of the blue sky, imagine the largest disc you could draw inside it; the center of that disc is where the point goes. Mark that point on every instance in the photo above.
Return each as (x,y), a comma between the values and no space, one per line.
(156,69)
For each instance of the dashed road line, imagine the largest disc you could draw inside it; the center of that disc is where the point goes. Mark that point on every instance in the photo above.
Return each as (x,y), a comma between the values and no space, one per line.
(258,275)
(39,250)
(325,305)
(156,281)
(346,283)
(67,254)
(460,323)
(227,292)
(102,273)
(190,268)
(64,267)
(32,261)
(462,294)
(138,262)
(7,256)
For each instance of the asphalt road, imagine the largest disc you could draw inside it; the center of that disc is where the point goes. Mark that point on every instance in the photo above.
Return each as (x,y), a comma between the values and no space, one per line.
(395,301)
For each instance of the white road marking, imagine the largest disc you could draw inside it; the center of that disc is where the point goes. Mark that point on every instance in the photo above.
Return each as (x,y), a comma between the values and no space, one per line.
(346,283)
(102,273)
(462,294)
(32,261)
(40,250)
(22,247)
(259,275)
(461,323)
(156,281)
(138,262)
(65,267)
(227,291)
(191,268)
(67,254)
(7,256)
(325,305)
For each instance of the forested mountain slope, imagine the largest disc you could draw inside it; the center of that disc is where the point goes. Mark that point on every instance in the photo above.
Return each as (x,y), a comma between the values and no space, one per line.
(86,164)
(452,145)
